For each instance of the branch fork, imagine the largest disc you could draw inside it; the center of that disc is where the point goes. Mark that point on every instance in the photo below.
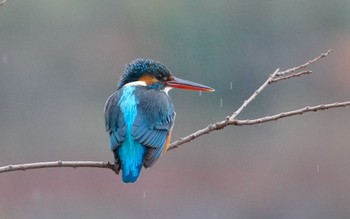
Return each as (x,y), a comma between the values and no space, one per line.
(276,76)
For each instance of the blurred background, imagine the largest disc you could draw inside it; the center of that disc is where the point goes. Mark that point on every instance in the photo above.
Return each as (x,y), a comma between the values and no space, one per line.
(60,60)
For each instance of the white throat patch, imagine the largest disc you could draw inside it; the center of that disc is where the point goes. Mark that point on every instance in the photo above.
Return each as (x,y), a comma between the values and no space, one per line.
(136,83)
(142,83)
(167,89)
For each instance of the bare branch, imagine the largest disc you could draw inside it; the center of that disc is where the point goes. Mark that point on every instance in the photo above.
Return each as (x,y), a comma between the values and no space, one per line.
(207,130)
(274,77)
(229,121)
(234,122)
(288,114)
(51,164)
(277,76)
(245,104)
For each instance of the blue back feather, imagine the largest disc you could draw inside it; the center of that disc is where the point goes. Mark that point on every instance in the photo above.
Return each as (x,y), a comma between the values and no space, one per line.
(139,120)
(131,152)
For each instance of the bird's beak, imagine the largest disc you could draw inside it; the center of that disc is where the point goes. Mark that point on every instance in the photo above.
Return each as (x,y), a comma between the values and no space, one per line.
(187,85)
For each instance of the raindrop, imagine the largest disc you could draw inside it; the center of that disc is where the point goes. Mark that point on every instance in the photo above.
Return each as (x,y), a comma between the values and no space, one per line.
(4,58)
(231,85)
(220,102)
(318,168)
(144,195)
(200,93)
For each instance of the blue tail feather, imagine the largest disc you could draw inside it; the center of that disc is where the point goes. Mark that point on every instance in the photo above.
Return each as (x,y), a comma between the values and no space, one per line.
(131,176)
(131,155)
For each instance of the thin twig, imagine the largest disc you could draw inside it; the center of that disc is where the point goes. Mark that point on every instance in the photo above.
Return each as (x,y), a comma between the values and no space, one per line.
(288,114)
(305,64)
(246,102)
(279,78)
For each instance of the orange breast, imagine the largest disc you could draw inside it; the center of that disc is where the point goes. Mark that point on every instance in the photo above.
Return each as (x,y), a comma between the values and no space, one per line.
(167,143)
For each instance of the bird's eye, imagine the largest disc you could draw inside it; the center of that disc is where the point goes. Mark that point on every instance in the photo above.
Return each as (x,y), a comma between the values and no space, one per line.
(159,76)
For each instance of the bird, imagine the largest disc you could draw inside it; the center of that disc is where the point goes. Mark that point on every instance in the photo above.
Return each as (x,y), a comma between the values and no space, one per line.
(139,116)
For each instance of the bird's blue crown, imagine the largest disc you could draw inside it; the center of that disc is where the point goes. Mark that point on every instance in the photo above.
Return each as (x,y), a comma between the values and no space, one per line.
(140,66)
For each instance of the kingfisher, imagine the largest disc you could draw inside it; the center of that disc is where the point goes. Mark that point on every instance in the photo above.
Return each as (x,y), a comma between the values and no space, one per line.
(139,116)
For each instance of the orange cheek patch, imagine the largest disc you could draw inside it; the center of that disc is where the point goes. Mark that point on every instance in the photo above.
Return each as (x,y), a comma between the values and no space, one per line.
(148,79)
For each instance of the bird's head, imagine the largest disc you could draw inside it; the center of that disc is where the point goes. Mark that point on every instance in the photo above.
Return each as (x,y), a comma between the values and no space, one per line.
(155,75)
